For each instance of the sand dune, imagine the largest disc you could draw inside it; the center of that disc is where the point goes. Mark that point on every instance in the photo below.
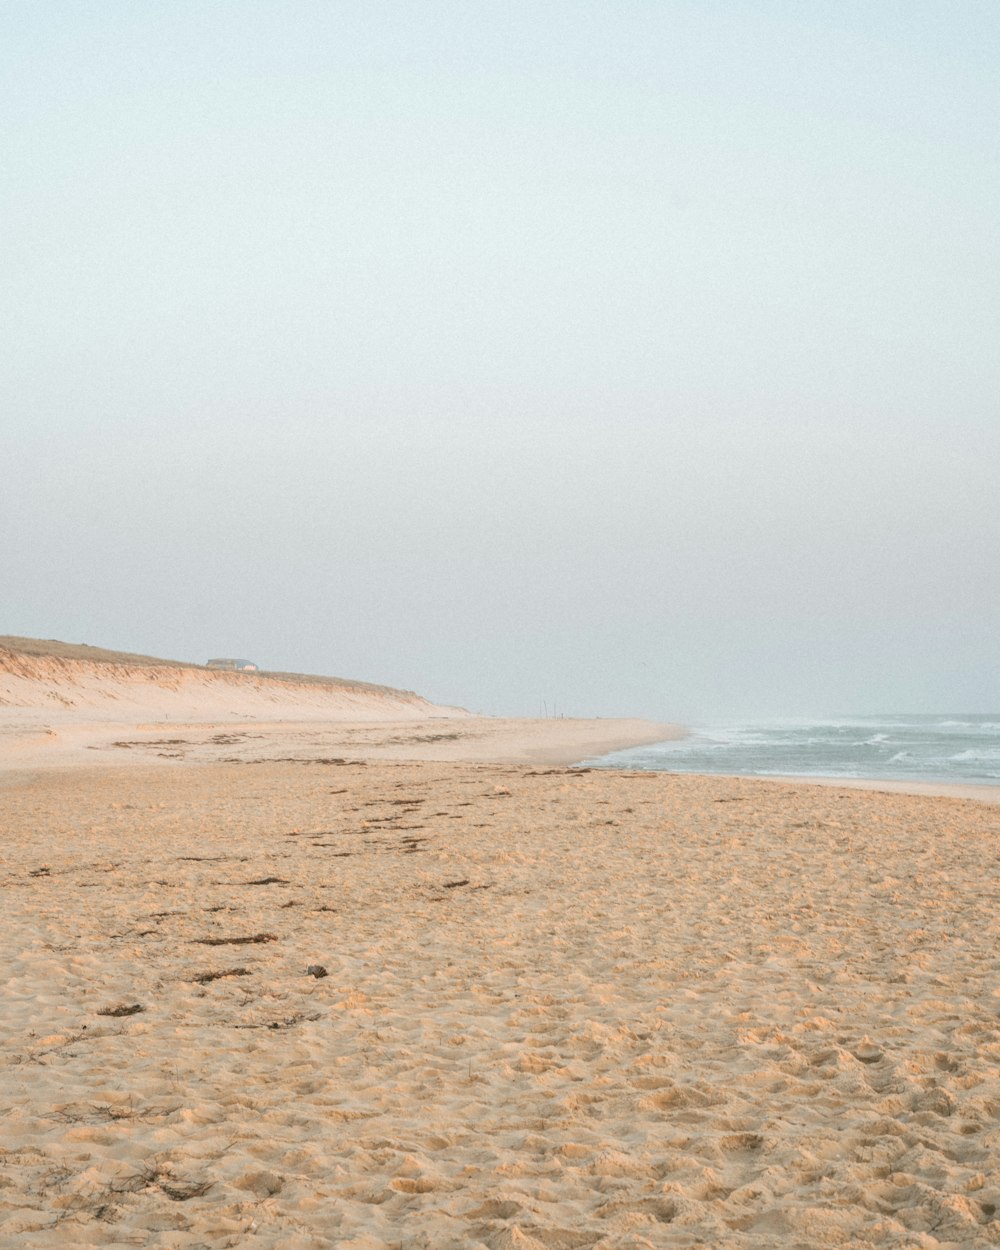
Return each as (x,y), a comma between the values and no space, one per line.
(99,689)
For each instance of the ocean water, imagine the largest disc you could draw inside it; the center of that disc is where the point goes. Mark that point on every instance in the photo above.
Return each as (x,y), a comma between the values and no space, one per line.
(962,749)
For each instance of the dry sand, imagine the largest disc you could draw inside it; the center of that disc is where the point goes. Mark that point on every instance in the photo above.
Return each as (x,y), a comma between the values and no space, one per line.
(563,1009)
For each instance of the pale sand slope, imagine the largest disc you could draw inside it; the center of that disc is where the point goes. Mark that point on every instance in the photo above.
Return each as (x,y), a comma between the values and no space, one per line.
(563,1009)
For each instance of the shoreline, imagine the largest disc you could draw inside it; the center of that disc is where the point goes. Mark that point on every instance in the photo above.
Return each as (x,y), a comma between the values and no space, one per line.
(985,792)
(62,740)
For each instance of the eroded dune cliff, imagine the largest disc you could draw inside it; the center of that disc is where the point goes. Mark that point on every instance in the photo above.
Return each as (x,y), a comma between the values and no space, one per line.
(141,688)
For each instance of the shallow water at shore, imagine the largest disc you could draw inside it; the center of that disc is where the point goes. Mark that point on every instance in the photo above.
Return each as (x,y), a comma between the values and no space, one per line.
(959,749)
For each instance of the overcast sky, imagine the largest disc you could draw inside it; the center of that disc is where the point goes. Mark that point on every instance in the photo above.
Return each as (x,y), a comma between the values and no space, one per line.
(627,358)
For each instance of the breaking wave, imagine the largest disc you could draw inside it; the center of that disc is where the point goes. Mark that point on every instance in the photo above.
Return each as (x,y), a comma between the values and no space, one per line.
(958,749)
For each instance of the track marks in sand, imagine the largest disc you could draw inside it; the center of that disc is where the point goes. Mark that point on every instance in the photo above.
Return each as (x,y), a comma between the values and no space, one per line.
(738,1016)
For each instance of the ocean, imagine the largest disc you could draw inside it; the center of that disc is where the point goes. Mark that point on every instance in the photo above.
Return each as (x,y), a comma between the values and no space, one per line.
(960,749)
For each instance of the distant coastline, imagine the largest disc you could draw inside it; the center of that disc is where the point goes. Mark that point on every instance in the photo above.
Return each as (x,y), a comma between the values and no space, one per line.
(64,704)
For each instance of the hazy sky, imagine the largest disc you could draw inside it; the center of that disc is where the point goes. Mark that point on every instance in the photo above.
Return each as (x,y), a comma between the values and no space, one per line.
(631,357)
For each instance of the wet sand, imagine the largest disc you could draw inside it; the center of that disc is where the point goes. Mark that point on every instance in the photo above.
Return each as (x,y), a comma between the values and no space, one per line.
(979,793)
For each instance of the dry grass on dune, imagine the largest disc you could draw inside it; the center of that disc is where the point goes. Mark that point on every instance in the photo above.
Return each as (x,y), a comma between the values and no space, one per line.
(51,647)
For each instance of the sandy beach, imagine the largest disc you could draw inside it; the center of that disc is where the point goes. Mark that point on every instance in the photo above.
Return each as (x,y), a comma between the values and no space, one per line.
(559,1009)
(370,985)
